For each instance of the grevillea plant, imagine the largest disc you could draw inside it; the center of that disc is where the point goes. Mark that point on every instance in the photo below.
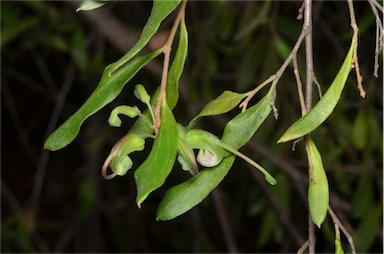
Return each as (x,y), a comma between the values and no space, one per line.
(174,143)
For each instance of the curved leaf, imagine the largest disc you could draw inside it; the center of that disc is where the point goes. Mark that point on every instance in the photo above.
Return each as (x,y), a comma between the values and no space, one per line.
(160,10)
(222,104)
(183,197)
(155,169)
(177,67)
(324,107)
(318,193)
(106,91)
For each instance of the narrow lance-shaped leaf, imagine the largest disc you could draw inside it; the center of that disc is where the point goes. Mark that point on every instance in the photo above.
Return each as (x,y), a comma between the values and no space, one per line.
(318,193)
(106,91)
(177,67)
(160,10)
(324,107)
(221,105)
(183,197)
(155,169)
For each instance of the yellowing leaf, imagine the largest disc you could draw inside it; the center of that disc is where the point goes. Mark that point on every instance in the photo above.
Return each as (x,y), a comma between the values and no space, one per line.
(318,193)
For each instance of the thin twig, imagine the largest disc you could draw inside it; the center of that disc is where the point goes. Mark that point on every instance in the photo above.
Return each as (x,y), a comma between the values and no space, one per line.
(355,57)
(308,54)
(224,222)
(44,156)
(379,37)
(299,86)
(252,93)
(318,87)
(337,222)
(167,55)
(303,247)
(308,102)
(311,235)
(377,5)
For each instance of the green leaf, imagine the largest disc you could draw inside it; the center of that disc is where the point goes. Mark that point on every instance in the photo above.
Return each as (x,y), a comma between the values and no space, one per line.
(160,10)
(176,69)
(324,107)
(241,129)
(106,91)
(155,169)
(338,247)
(183,197)
(9,33)
(363,198)
(360,131)
(318,192)
(222,104)
(88,5)
(368,230)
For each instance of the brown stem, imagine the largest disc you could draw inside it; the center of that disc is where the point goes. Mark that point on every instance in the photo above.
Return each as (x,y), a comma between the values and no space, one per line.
(355,57)
(224,222)
(379,36)
(167,55)
(340,225)
(308,53)
(308,101)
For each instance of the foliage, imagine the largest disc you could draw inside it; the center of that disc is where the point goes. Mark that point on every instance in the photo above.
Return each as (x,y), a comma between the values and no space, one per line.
(342,141)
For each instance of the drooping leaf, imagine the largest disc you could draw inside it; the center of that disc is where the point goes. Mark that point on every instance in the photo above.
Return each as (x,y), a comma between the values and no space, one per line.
(318,192)
(222,104)
(183,197)
(88,5)
(107,90)
(160,10)
(324,107)
(9,33)
(363,198)
(155,169)
(241,129)
(177,66)
(368,230)
(360,131)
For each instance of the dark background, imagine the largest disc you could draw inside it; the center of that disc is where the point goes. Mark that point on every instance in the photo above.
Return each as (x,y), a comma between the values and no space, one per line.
(52,59)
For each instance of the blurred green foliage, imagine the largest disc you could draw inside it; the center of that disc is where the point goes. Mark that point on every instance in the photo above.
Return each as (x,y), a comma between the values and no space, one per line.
(233,46)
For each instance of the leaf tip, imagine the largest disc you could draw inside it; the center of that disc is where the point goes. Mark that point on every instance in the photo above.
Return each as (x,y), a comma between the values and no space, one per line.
(270,179)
